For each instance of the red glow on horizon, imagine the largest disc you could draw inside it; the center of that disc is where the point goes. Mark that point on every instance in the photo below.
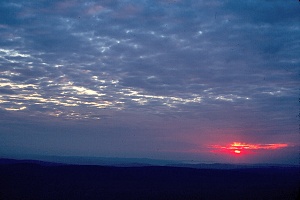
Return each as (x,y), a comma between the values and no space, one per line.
(238,148)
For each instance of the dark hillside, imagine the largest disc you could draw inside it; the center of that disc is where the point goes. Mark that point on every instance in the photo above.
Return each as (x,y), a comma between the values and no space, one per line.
(34,181)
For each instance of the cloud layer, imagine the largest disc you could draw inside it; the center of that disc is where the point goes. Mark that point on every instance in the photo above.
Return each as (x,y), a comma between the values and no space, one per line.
(230,64)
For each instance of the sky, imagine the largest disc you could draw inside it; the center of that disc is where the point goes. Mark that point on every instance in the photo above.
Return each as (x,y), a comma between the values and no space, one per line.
(194,80)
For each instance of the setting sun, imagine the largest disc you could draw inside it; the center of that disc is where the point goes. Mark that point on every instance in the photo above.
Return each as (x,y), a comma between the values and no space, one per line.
(238,148)
(237,151)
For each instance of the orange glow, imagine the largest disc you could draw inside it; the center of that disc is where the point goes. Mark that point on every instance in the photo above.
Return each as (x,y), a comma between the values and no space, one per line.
(237,148)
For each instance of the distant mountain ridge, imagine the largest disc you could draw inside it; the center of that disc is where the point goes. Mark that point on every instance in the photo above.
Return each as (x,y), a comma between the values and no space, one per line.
(4,161)
(34,179)
(134,162)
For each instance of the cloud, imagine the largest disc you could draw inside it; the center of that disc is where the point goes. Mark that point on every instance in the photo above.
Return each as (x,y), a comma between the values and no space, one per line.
(243,146)
(132,52)
(234,63)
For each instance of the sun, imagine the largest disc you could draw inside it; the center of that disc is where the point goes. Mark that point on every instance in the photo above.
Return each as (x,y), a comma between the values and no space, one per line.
(241,149)
(237,151)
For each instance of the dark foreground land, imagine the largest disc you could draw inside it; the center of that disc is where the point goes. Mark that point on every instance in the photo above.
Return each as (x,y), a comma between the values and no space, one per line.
(40,181)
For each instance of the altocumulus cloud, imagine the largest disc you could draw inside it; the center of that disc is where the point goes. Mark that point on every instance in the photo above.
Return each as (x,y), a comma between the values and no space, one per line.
(228,62)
